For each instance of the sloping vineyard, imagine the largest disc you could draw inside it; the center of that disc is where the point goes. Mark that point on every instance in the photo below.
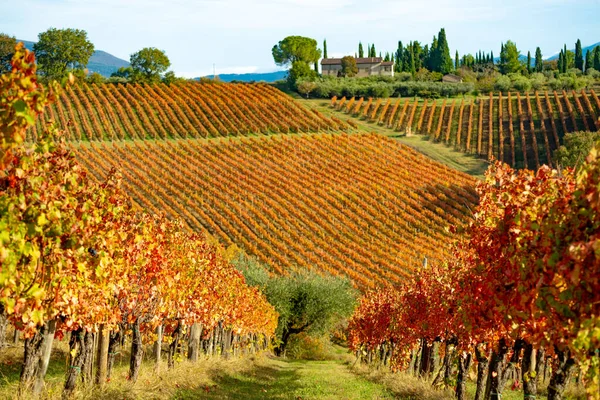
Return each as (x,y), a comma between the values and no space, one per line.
(360,205)
(190,110)
(521,130)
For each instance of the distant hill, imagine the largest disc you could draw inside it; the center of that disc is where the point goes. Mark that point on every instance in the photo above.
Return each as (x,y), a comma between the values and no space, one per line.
(252,77)
(585,49)
(101,61)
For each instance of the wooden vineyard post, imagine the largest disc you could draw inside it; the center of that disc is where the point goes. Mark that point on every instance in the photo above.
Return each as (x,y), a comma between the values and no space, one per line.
(440,121)
(460,122)
(532,129)
(500,128)
(522,130)
(511,132)
(552,122)
(449,128)
(570,110)
(561,113)
(470,126)
(542,117)
(491,127)
(423,110)
(102,355)
(480,127)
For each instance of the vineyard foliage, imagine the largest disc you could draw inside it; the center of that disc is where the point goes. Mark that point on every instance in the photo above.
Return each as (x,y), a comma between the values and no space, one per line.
(522,131)
(360,205)
(76,255)
(187,110)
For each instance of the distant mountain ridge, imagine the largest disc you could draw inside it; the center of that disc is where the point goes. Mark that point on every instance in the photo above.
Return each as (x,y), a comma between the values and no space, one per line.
(100,62)
(251,77)
(585,49)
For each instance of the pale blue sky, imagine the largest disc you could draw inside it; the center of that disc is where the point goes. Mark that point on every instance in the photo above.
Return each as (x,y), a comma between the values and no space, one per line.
(237,35)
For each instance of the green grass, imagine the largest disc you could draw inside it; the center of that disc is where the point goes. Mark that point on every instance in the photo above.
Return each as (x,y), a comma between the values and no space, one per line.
(469,164)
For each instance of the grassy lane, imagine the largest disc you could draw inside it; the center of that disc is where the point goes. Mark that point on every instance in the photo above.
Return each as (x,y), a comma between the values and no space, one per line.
(285,379)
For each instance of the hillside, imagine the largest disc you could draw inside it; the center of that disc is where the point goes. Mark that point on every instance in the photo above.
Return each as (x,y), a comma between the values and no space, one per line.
(108,112)
(360,205)
(521,130)
(585,49)
(252,77)
(101,61)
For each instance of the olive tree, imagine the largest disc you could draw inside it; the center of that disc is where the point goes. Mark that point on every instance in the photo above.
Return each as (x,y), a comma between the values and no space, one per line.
(306,301)
(7,49)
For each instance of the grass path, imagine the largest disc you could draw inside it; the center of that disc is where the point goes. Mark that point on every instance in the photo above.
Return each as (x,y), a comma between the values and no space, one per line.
(284,379)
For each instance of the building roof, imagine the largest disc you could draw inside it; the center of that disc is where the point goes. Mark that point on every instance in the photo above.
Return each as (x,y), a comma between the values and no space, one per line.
(364,60)
(387,63)
(451,78)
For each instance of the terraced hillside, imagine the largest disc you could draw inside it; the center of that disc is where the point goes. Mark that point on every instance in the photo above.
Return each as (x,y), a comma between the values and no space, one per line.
(521,130)
(159,111)
(361,205)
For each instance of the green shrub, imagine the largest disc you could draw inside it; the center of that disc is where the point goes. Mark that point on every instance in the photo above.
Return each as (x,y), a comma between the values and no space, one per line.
(576,147)
(307,302)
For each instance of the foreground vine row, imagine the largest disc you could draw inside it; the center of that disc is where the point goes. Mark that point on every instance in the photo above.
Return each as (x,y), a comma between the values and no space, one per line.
(159,111)
(521,131)
(360,205)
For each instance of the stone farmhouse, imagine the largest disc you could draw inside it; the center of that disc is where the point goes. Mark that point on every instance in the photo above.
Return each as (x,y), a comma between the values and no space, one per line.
(367,66)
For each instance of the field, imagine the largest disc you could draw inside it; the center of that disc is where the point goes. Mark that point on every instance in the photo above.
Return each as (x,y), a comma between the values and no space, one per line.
(521,130)
(361,204)
(124,112)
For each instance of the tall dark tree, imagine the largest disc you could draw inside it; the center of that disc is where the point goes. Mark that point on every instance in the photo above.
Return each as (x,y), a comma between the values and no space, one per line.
(399,57)
(539,61)
(325,48)
(409,62)
(361,51)
(433,56)
(492,58)
(578,55)
(589,60)
(560,62)
(528,62)
(442,61)
(565,60)
(7,49)
(502,60)
(373,53)
(387,57)
(417,51)
(456,60)
(597,58)
(60,51)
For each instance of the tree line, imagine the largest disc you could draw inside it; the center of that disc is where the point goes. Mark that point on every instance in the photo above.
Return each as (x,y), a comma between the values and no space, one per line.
(60,52)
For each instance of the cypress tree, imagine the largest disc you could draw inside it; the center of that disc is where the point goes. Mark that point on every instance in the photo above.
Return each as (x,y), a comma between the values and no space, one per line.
(373,53)
(410,62)
(361,52)
(565,60)
(325,48)
(589,62)
(445,60)
(387,56)
(539,61)
(492,57)
(578,56)
(399,57)
(502,60)
(316,67)
(597,58)
(432,59)
(560,61)
(456,65)
(424,56)
(528,62)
